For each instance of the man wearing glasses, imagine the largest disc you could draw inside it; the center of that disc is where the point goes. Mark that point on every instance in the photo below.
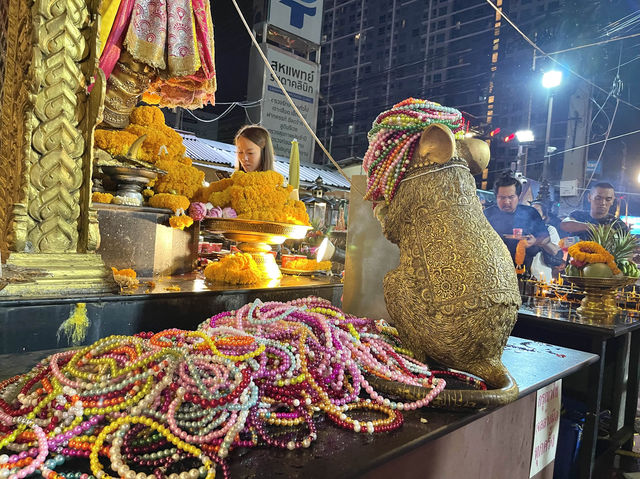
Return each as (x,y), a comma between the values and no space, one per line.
(601,198)
(514,222)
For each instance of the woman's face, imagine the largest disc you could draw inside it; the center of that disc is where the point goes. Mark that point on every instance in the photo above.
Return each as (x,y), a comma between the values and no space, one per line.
(249,154)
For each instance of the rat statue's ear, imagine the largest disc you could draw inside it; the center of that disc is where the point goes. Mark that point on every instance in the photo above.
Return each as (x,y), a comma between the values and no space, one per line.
(475,152)
(437,144)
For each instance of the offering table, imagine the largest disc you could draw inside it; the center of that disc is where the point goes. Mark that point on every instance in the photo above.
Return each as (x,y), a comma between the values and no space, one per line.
(609,384)
(31,324)
(432,443)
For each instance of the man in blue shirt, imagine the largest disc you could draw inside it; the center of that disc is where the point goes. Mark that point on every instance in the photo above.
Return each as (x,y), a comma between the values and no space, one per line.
(508,215)
(601,199)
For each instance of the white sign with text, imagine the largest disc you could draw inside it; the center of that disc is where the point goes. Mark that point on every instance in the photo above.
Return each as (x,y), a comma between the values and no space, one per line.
(301,78)
(546,426)
(300,17)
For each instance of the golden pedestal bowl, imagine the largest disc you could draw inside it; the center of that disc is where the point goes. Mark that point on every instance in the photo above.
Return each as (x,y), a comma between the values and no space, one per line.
(599,303)
(255,237)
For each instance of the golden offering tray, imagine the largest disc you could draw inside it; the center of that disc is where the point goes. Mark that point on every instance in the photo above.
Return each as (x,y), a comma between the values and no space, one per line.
(255,237)
(599,303)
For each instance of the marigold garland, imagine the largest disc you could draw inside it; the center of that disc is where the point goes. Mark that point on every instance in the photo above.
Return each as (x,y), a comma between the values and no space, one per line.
(180,222)
(238,268)
(147,116)
(97,197)
(592,252)
(521,251)
(182,178)
(169,201)
(259,196)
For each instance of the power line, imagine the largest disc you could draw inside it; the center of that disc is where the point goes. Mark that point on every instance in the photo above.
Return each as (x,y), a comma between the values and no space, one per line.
(604,144)
(577,148)
(588,45)
(530,42)
(221,115)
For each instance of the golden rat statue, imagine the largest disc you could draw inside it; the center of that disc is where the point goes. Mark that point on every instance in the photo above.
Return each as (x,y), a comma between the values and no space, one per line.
(454,297)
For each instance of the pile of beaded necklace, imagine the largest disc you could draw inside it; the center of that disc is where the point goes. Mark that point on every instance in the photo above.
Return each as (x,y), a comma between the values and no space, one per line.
(174,404)
(393,139)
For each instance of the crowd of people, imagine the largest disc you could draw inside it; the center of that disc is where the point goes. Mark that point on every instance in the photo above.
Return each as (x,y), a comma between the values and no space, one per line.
(541,230)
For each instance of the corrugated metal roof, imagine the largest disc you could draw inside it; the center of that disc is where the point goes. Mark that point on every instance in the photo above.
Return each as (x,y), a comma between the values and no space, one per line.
(210,151)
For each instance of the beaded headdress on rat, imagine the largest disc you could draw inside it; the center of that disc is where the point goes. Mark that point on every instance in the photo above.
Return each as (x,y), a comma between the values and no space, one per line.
(393,139)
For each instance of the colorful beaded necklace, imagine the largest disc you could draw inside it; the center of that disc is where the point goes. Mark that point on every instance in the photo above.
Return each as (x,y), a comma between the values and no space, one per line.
(175,404)
(394,138)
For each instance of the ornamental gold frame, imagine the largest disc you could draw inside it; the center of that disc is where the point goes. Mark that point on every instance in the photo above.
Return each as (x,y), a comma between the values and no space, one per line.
(48,120)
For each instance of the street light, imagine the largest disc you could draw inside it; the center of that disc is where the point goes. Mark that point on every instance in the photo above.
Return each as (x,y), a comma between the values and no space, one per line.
(550,80)
(525,138)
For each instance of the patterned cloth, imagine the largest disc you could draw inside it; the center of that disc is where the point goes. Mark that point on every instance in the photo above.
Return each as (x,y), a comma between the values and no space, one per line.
(173,36)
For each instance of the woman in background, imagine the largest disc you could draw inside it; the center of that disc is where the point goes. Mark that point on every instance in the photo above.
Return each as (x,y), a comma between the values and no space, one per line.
(254,151)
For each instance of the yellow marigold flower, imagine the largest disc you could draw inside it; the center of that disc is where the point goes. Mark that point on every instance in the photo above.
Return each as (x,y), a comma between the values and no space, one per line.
(239,268)
(157,137)
(168,201)
(148,192)
(183,179)
(128,272)
(147,116)
(266,178)
(180,222)
(221,198)
(115,142)
(259,196)
(97,197)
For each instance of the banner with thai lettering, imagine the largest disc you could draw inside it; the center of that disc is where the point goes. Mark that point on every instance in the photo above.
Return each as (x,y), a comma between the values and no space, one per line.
(301,78)
(546,426)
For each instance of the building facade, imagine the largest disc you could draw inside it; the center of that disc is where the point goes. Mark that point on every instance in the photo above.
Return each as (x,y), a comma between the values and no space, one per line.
(458,53)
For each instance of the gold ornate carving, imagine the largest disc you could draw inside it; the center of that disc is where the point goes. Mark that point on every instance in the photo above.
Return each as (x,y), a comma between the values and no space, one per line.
(59,103)
(454,297)
(48,128)
(14,131)
(125,85)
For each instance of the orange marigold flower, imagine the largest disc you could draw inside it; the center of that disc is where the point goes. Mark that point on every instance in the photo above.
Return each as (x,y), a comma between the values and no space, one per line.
(592,252)
(168,201)
(521,250)
(128,272)
(239,268)
(180,222)
(97,197)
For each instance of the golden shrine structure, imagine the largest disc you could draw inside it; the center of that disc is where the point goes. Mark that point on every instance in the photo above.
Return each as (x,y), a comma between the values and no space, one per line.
(48,229)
